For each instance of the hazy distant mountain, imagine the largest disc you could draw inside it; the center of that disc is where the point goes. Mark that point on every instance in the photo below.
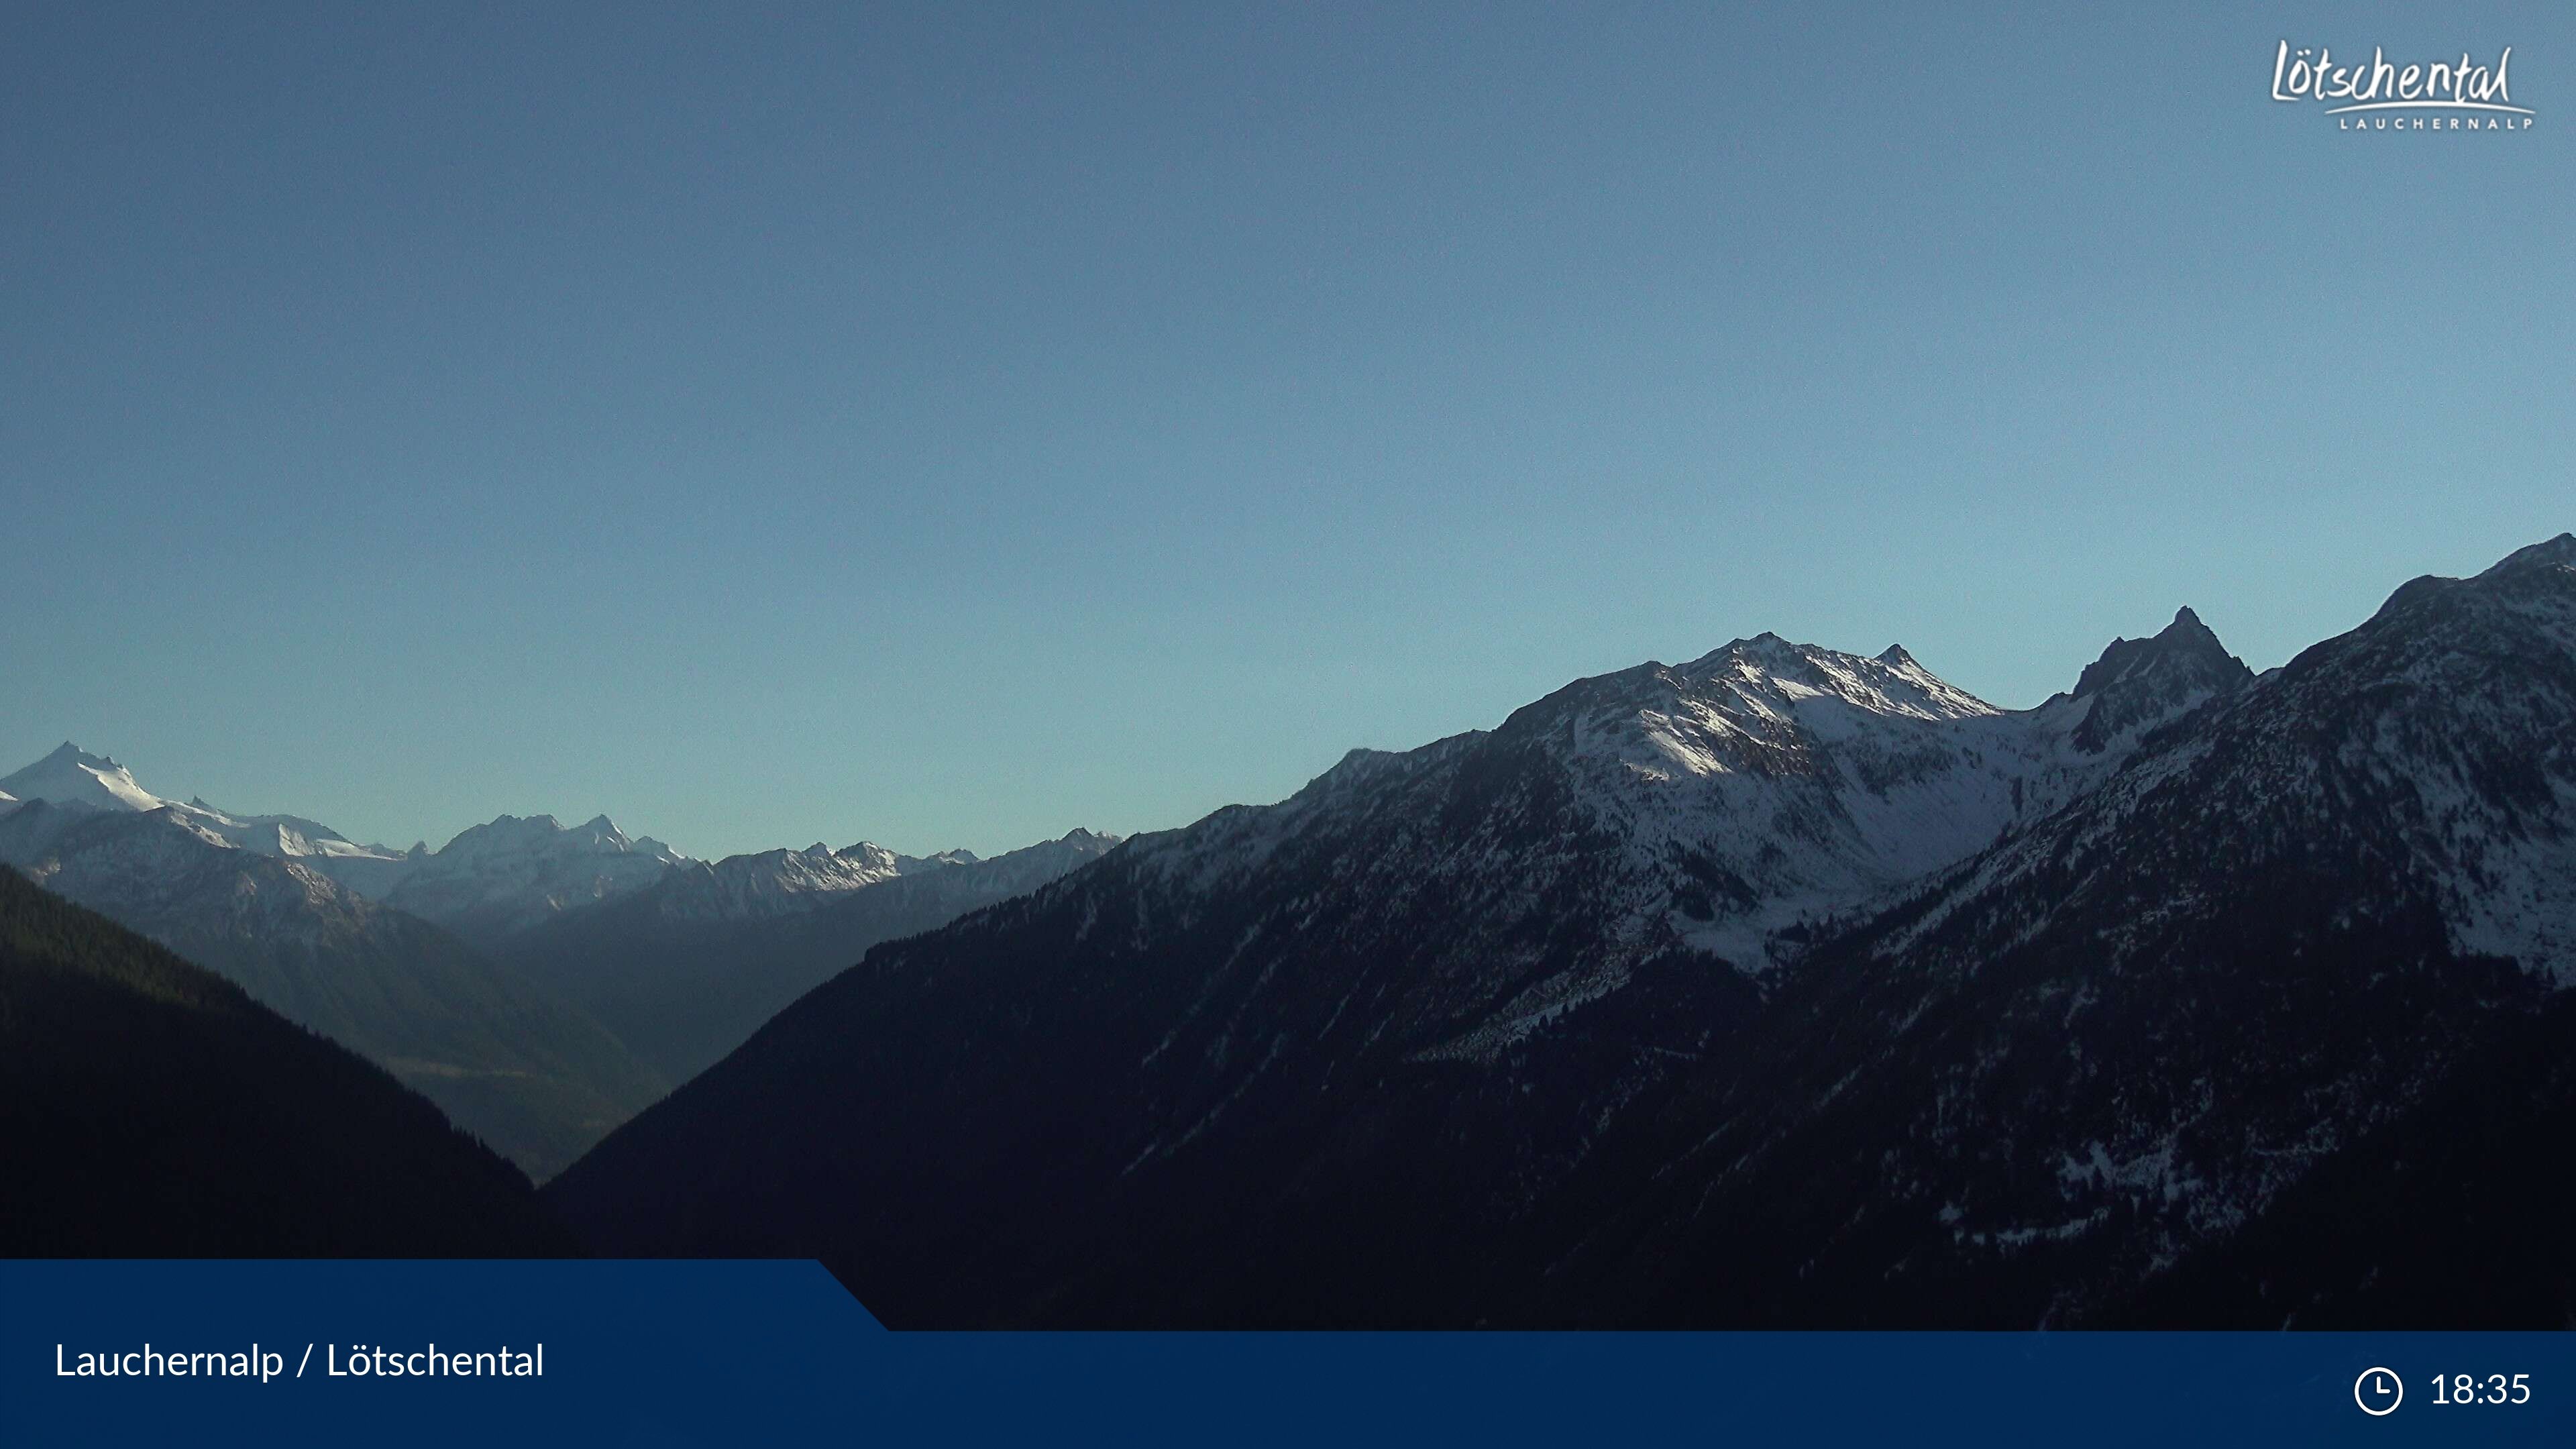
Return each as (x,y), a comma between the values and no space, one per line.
(489,881)
(496,879)
(530,1074)
(688,967)
(771,883)
(1785,986)
(384,950)
(149,1109)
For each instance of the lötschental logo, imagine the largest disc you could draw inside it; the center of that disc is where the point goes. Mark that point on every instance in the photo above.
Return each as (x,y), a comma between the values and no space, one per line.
(2447,95)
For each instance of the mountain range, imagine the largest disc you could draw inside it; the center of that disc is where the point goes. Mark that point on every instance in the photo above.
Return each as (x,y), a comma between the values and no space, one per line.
(534,1077)
(1780,987)
(416,958)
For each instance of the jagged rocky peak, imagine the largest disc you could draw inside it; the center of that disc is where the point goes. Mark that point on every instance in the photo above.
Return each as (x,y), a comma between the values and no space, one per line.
(2140,683)
(2186,644)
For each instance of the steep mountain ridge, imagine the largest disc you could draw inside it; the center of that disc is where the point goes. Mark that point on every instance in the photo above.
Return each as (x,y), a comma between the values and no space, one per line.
(1367,1029)
(150,1109)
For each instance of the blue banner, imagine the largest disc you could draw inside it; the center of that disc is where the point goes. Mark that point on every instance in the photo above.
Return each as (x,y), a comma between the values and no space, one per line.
(669,1353)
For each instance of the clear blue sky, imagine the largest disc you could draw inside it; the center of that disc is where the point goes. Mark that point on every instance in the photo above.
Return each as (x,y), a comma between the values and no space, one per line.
(950,425)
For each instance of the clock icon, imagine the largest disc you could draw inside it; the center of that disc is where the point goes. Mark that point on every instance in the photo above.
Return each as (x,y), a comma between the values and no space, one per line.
(2378,1391)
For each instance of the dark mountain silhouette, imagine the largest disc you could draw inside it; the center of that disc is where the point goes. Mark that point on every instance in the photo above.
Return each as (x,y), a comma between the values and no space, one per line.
(149,1108)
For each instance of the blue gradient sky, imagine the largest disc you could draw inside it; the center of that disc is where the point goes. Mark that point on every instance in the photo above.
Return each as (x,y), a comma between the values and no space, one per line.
(951,425)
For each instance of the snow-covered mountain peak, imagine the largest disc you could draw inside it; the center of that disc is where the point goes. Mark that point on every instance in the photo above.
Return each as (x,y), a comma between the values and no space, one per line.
(770,883)
(513,871)
(71,776)
(515,834)
(1770,668)
(74,776)
(1726,805)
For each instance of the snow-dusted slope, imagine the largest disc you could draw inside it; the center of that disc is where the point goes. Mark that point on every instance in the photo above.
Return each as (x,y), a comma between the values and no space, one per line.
(2112,1043)
(288,837)
(1736,805)
(1770,785)
(2460,757)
